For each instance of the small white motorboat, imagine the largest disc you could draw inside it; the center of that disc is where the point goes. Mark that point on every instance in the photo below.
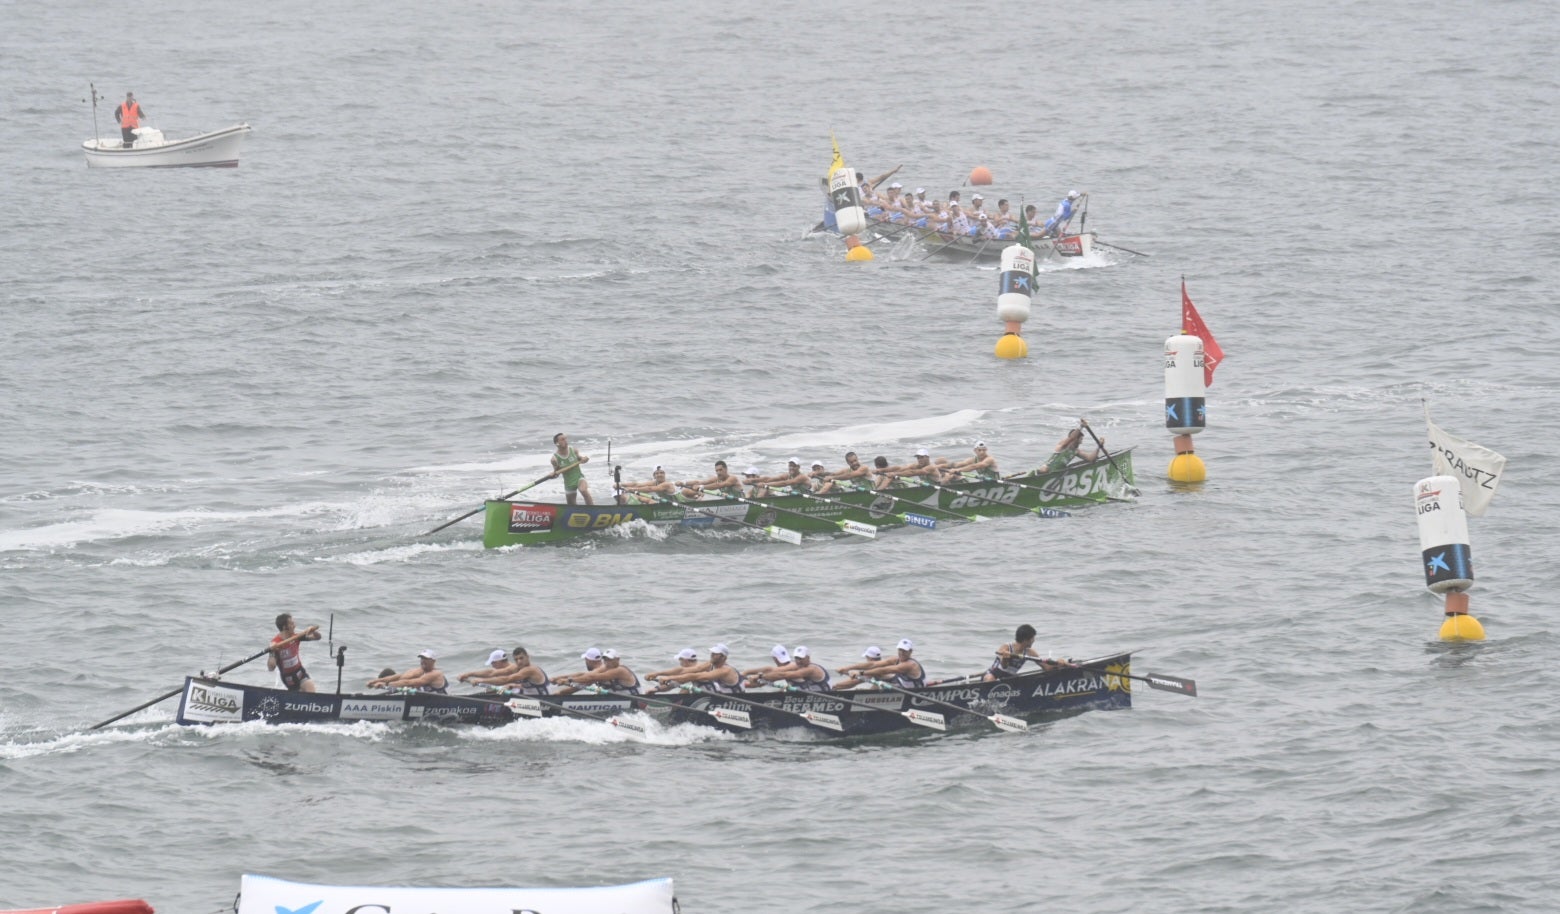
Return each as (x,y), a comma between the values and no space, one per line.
(218,149)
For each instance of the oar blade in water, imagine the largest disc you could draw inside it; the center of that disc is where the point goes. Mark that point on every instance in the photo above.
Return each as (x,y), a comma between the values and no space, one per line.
(927,719)
(1171,684)
(1010,724)
(783,535)
(733,718)
(627,725)
(821,719)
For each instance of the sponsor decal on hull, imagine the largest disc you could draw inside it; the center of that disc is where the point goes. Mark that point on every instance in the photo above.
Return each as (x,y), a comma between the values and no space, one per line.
(213,704)
(373,709)
(531,518)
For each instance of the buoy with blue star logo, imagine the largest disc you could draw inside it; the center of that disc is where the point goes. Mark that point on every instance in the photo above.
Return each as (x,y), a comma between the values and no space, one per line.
(1015,292)
(1445,554)
(1185,405)
(849,217)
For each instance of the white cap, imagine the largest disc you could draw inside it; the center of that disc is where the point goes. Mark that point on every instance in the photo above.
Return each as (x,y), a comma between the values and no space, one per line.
(922,453)
(795,461)
(977,197)
(953,203)
(873,653)
(780,654)
(428,654)
(894,185)
(920,190)
(609,654)
(984,217)
(1072,195)
(980,444)
(801,651)
(817,463)
(720,649)
(687,653)
(905,644)
(592,654)
(497,655)
(751,471)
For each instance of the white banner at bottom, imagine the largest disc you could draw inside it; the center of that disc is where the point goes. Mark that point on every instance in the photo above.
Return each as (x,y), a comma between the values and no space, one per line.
(265,895)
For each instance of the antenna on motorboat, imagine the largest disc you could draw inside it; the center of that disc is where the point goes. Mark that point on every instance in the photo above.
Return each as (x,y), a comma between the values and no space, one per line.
(96,136)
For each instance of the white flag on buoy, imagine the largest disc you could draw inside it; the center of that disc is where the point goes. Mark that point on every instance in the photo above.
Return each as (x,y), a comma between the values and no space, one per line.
(1477,468)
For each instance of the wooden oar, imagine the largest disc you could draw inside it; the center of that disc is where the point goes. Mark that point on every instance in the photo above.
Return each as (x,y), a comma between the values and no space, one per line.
(849,526)
(920,520)
(531,706)
(929,719)
(721,715)
(231,666)
(502,498)
(1158,681)
(1118,247)
(1001,721)
(1101,445)
(772,531)
(816,718)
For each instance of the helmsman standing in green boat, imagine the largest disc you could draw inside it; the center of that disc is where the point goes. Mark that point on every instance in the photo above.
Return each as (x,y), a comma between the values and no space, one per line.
(566,462)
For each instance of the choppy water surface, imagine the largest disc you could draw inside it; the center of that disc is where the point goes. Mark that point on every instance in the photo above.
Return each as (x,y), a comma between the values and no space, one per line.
(457,231)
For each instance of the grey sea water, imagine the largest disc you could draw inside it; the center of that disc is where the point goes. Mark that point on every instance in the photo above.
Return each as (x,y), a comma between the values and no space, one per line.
(458,229)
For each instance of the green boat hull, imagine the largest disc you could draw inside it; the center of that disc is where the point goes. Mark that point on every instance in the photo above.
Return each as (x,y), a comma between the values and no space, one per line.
(523,523)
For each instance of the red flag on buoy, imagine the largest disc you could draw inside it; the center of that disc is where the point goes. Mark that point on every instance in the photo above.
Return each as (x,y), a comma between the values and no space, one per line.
(1192,324)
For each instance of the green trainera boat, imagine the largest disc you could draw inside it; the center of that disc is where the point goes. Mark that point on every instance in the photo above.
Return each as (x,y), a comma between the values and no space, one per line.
(521,523)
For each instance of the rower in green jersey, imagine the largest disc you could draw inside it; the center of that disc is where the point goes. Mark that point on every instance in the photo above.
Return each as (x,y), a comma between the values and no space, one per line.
(659,488)
(719,485)
(794,479)
(982,465)
(856,475)
(567,461)
(1067,450)
(923,468)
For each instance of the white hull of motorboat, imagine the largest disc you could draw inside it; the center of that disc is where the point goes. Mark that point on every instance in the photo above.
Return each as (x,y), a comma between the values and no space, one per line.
(218,149)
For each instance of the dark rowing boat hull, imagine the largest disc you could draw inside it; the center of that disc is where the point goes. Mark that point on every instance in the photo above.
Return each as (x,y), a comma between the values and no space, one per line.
(1031,695)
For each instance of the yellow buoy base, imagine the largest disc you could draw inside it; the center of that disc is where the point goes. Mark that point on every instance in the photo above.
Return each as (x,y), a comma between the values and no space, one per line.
(1187,467)
(861,252)
(1461,627)
(1012,346)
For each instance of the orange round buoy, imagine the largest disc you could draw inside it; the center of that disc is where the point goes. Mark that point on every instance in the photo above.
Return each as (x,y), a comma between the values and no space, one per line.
(981,175)
(851,241)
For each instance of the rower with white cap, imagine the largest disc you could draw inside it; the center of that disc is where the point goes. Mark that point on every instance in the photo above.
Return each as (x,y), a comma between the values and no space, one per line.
(782,662)
(611,675)
(803,673)
(977,207)
(982,464)
(1057,224)
(524,677)
(426,676)
(658,489)
(687,662)
(922,467)
(498,665)
(871,657)
(717,675)
(958,223)
(904,671)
